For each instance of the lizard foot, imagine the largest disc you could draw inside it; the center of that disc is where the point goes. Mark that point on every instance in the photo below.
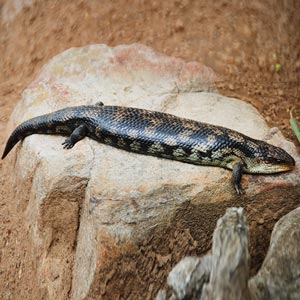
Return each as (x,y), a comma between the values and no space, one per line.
(238,189)
(68,144)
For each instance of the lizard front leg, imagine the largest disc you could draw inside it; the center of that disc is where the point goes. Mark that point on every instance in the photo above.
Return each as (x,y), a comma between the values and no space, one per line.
(237,173)
(78,134)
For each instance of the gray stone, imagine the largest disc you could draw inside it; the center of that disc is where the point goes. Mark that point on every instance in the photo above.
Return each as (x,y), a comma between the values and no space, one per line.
(222,275)
(227,269)
(188,277)
(279,276)
(161,295)
(230,259)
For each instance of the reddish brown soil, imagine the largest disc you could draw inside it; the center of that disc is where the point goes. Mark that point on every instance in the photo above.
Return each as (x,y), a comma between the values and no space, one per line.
(241,40)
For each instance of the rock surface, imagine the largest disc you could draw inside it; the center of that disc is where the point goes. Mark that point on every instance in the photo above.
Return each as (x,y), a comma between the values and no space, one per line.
(279,276)
(221,275)
(225,273)
(10,9)
(188,277)
(102,213)
(230,259)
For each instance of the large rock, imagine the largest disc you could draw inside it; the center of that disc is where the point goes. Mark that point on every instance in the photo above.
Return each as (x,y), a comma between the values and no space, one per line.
(279,276)
(230,259)
(119,221)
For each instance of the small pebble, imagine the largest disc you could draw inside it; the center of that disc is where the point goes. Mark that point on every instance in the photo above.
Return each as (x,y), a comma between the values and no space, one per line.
(261,62)
(231,87)
(179,25)
(280,92)
(260,221)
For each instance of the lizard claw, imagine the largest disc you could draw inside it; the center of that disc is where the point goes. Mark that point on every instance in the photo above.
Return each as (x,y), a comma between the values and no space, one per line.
(238,189)
(68,144)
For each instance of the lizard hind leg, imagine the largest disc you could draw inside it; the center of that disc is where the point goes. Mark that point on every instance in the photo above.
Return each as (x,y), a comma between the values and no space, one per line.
(78,134)
(237,177)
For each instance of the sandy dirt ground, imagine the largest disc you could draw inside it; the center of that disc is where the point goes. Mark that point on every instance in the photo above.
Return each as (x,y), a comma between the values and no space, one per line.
(241,40)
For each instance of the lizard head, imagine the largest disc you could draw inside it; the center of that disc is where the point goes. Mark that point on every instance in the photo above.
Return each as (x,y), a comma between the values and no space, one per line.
(269,159)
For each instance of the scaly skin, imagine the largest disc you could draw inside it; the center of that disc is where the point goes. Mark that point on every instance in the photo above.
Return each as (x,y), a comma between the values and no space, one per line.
(159,134)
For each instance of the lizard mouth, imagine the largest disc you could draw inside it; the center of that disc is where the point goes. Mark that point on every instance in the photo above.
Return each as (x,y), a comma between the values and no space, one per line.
(279,168)
(270,168)
(284,168)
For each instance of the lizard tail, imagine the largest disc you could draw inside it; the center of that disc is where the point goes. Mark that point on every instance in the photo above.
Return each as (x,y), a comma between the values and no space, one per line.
(25,129)
(36,125)
(13,139)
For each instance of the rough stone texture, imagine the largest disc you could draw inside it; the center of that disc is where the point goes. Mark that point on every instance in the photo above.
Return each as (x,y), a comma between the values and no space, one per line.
(230,259)
(109,212)
(279,276)
(225,273)
(188,277)
(222,275)
(10,9)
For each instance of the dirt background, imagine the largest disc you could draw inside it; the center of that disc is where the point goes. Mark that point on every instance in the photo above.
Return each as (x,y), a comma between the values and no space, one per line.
(241,40)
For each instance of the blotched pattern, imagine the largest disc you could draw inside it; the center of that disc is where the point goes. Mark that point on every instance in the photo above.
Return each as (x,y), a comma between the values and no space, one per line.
(162,135)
